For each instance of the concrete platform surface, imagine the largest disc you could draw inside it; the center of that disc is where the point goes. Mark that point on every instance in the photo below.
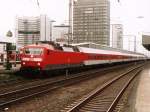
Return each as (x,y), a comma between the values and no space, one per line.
(143,92)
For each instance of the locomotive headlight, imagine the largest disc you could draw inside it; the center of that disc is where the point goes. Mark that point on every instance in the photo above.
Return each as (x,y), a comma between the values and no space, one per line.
(24,63)
(37,59)
(38,64)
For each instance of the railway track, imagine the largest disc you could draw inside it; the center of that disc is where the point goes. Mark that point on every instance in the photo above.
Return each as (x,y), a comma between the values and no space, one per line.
(15,96)
(7,85)
(13,84)
(106,97)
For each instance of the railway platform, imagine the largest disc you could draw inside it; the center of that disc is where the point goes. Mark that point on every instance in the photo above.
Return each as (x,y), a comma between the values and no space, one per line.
(142,100)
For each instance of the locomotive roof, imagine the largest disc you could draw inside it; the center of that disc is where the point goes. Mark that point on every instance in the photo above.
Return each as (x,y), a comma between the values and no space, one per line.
(41,45)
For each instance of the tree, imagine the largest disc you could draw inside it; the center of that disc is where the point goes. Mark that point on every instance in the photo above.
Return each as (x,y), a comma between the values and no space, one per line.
(9,34)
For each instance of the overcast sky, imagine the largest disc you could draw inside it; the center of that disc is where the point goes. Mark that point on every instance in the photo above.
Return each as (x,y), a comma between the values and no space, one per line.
(9,9)
(127,11)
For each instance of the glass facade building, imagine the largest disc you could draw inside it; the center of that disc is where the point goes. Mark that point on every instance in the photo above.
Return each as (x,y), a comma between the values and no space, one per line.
(91,21)
(116,36)
(29,30)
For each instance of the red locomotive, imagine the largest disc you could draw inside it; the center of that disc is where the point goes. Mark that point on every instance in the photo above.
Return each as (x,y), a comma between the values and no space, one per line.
(51,56)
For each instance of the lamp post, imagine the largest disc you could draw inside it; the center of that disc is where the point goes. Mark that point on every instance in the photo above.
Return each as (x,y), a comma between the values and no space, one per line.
(51,29)
(134,43)
(70,20)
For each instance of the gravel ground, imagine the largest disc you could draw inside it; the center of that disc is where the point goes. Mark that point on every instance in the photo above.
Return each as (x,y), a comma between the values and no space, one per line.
(60,98)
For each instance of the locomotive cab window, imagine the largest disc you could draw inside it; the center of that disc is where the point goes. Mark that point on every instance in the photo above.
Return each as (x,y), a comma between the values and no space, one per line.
(33,51)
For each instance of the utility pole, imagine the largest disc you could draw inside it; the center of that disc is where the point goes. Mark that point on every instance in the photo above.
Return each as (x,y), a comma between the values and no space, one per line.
(134,43)
(38,4)
(70,22)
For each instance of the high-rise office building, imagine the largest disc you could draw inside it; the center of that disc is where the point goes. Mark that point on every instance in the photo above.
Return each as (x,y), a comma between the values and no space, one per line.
(116,36)
(60,33)
(32,29)
(91,21)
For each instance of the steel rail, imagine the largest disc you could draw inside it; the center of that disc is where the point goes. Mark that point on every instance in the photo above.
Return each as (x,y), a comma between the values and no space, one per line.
(37,81)
(116,100)
(13,81)
(51,80)
(85,99)
(36,90)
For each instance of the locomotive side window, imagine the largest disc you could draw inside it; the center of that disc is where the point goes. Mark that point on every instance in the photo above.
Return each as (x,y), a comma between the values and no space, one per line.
(34,51)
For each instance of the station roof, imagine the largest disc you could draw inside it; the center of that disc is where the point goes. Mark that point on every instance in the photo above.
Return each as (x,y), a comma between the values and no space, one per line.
(146,41)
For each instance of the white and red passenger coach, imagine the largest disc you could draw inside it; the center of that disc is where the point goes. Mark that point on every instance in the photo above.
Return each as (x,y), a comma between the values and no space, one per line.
(52,56)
